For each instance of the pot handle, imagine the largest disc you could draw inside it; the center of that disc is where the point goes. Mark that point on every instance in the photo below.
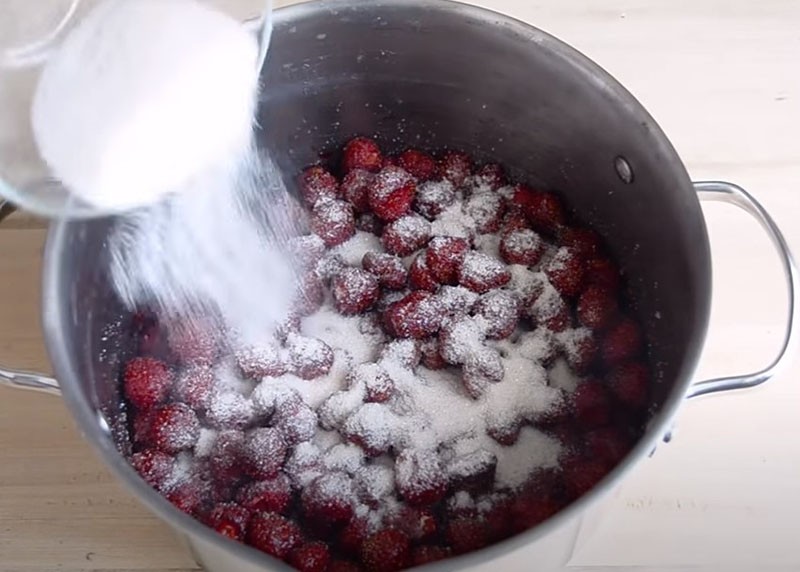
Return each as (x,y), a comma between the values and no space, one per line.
(25,379)
(735,195)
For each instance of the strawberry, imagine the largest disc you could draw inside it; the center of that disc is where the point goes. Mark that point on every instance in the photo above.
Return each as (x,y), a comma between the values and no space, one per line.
(544,211)
(421,479)
(604,273)
(226,460)
(273,534)
(490,177)
(522,246)
(431,356)
(229,519)
(352,537)
(194,343)
(586,242)
(333,221)
(306,251)
(388,269)
(296,426)
(433,197)
(316,183)
(387,550)
(406,235)
(515,219)
(361,153)
(426,554)
(415,316)
(419,524)
(153,466)
(228,410)
(629,383)
(355,189)
(189,495)
(504,433)
(329,498)
(272,495)
(481,273)
(486,209)
(420,276)
(195,386)
(465,535)
(311,557)
(354,291)
(456,167)
(266,360)
(597,307)
(565,272)
(391,193)
(309,296)
(591,404)
(146,382)
(531,508)
(500,309)
(343,566)
(264,453)
(580,350)
(419,164)
(582,474)
(473,472)
(310,358)
(621,342)
(173,428)
(370,427)
(444,256)
(148,334)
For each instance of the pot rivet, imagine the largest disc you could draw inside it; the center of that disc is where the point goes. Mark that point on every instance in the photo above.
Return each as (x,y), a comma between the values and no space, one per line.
(624,170)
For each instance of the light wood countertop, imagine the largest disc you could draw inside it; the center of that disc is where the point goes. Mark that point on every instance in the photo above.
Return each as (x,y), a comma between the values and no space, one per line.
(722,77)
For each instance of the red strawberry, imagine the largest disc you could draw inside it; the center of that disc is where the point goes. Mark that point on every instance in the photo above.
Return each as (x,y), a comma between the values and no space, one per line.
(490,177)
(591,404)
(352,537)
(195,386)
(456,167)
(419,524)
(297,426)
(607,444)
(582,474)
(316,183)
(420,276)
(565,272)
(584,241)
(264,452)
(355,186)
(388,269)
(173,428)
(498,524)
(431,356)
(354,291)
(153,466)
(521,246)
(148,333)
(229,519)
(444,256)
(515,219)
(544,211)
(370,428)
(415,316)
(386,551)
(419,164)
(361,153)
(333,221)
(629,383)
(329,498)
(500,309)
(146,382)
(194,343)
(622,342)
(481,273)
(272,495)
(189,495)
(226,461)
(581,350)
(311,557)
(426,554)
(310,358)
(465,535)
(433,197)
(597,307)
(406,235)
(391,193)
(504,433)
(273,534)
(421,479)
(264,361)
(604,273)
(486,209)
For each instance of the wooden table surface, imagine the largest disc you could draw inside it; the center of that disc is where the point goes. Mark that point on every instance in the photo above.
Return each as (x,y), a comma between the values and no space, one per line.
(722,77)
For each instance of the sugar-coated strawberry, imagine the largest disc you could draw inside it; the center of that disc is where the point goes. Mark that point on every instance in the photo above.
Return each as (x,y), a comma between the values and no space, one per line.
(343,566)
(591,404)
(229,519)
(391,193)
(309,295)
(226,460)
(195,386)
(194,343)
(388,269)
(515,219)
(387,550)
(581,474)
(419,164)
(490,176)
(146,382)
(426,554)
(420,276)
(419,524)
(604,273)
(311,557)
(465,535)
(403,352)
(580,349)
(486,209)
(481,273)
(370,427)
(317,183)
(522,246)
(500,309)
(431,356)
(265,360)
(544,211)
(189,495)
(473,472)
(622,342)
(421,479)
(444,257)
(174,427)
(271,495)
(415,316)
(154,466)
(566,272)
(351,538)
(361,153)
(329,498)
(354,291)
(333,221)
(608,444)
(377,384)
(306,251)
(229,410)
(264,452)
(456,167)
(597,307)
(629,383)
(433,197)
(504,433)
(273,534)
(310,358)
(406,235)
(355,189)
(584,241)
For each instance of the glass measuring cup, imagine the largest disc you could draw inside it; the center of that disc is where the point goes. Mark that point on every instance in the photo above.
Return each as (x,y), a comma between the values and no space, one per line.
(29,33)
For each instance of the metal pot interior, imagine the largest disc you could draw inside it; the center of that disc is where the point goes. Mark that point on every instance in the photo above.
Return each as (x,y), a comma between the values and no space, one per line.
(431,74)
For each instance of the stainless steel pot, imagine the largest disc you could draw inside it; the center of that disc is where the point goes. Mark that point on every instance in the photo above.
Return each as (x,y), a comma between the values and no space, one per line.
(433,73)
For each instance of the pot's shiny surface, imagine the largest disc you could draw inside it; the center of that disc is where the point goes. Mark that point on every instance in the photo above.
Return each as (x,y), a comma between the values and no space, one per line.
(431,74)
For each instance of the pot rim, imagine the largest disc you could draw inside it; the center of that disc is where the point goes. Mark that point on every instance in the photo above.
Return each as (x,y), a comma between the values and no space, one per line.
(94,428)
